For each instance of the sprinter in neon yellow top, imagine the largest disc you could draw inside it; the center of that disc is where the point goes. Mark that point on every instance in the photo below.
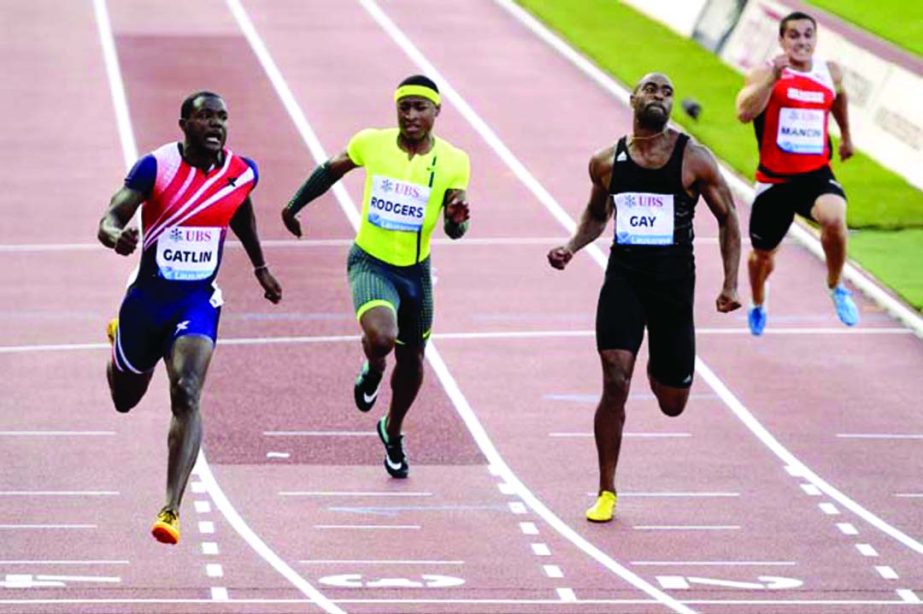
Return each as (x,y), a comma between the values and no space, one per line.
(410,177)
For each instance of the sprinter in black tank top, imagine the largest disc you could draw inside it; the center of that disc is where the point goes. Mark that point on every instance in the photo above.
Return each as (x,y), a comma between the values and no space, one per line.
(650,180)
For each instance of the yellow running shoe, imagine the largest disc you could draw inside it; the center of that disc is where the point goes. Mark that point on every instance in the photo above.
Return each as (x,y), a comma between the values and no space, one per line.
(604,508)
(111,328)
(166,527)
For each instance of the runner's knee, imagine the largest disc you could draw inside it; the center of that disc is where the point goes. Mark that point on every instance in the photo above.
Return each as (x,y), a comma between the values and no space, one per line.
(185,393)
(380,342)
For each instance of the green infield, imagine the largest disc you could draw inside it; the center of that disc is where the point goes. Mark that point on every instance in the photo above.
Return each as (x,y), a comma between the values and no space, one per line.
(894,20)
(627,45)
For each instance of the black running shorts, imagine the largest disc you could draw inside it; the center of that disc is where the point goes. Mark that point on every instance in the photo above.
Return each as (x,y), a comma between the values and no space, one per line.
(630,301)
(776,204)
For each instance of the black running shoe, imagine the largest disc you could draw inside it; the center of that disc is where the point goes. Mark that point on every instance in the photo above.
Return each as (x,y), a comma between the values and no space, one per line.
(395,461)
(365,390)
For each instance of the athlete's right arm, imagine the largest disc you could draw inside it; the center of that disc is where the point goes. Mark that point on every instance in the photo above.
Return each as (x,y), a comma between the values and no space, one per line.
(112,227)
(596,215)
(321,180)
(753,98)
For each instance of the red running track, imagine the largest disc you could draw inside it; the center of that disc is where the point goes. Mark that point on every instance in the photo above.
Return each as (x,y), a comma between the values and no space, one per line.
(293,499)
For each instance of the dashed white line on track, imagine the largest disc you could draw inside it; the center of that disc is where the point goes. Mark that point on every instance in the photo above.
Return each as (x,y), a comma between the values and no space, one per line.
(206,527)
(828,508)
(553,571)
(214,570)
(351,493)
(210,548)
(811,490)
(518,507)
(377,562)
(528,528)
(847,528)
(866,550)
(886,572)
(541,550)
(219,593)
(567,594)
(203,507)
(716,563)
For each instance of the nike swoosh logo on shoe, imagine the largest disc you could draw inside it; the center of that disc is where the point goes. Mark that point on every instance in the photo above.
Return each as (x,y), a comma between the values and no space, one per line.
(395,466)
(370,398)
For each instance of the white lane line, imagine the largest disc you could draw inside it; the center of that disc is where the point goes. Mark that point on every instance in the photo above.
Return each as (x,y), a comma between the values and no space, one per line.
(351,493)
(64,562)
(672,582)
(219,593)
(553,571)
(528,528)
(506,488)
(378,562)
(793,471)
(203,507)
(116,86)
(214,570)
(541,550)
(897,309)
(277,455)
(866,550)
(715,563)
(885,436)
(518,507)
(435,358)
(908,595)
(206,527)
(567,594)
(197,487)
(493,470)
(629,435)
(320,434)
(103,579)
(742,188)
(57,433)
(847,528)
(811,490)
(14,527)
(912,495)
(829,509)
(886,572)
(59,493)
(630,494)
(471,336)
(790,459)
(370,527)
(130,154)
(513,602)
(210,548)
(686,527)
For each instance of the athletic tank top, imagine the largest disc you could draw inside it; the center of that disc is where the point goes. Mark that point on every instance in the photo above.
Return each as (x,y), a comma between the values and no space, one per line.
(792,131)
(653,213)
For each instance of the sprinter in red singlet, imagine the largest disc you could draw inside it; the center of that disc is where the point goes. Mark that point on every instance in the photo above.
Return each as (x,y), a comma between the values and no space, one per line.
(789,101)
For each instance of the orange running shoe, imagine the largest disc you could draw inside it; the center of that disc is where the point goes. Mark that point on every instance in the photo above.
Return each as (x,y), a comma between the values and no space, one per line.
(166,527)
(111,328)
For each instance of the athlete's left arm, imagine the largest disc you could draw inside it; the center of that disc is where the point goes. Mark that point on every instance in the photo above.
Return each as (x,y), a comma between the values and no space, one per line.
(701,165)
(840,111)
(456,213)
(244,226)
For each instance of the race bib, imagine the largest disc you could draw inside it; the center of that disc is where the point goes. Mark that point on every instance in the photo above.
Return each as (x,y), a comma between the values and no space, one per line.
(188,253)
(801,131)
(397,205)
(643,219)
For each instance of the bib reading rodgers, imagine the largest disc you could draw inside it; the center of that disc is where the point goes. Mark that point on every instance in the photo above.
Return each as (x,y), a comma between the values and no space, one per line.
(188,253)
(397,205)
(643,219)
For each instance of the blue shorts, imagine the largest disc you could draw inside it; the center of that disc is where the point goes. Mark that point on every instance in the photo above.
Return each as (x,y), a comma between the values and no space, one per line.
(150,321)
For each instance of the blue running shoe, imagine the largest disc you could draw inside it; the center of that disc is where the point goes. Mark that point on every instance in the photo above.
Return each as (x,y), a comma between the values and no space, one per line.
(845,307)
(756,318)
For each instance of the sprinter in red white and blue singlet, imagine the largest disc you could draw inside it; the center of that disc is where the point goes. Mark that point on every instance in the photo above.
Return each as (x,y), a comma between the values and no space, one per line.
(192,192)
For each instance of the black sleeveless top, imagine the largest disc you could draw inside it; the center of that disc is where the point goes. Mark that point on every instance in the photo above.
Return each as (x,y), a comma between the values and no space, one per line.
(647,239)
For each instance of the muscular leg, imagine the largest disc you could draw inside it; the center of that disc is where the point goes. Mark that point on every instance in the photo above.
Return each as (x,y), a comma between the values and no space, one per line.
(405,384)
(127,388)
(379,333)
(830,212)
(186,367)
(760,264)
(609,420)
(672,400)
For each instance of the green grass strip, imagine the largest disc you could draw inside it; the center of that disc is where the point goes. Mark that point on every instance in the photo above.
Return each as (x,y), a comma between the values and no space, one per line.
(627,45)
(898,21)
